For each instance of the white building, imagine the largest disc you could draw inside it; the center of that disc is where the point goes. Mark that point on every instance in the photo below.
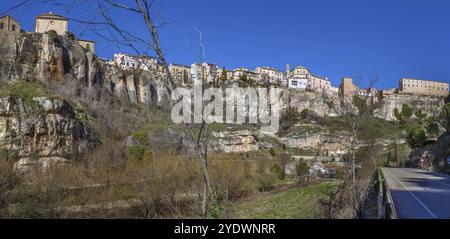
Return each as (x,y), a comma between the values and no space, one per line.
(333,90)
(314,83)
(126,62)
(298,78)
(297,82)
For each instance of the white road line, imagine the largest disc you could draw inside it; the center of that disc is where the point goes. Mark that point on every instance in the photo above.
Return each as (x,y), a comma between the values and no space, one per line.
(414,196)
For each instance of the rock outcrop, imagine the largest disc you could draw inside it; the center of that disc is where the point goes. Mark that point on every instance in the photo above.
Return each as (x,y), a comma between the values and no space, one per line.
(59,60)
(48,58)
(435,154)
(429,105)
(46,131)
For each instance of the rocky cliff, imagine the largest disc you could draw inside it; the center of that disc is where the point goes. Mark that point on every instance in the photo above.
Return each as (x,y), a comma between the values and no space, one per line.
(47,130)
(49,58)
(59,62)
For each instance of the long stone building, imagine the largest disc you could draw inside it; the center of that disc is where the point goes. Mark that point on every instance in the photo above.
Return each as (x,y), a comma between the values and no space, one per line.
(423,87)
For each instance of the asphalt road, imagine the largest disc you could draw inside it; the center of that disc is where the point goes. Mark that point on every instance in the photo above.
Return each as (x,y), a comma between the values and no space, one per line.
(418,194)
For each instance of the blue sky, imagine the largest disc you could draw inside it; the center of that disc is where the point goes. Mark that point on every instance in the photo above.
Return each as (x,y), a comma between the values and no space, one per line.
(388,38)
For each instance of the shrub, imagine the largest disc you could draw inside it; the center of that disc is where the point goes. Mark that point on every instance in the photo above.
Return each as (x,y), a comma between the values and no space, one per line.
(302,169)
(278,171)
(141,137)
(304,114)
(70,35)
(406,111)
(135,152)
(264,184)
(445,116)
(397,114)
(416,136)
(420,115)
(291,115)
(53,35)
(272,152)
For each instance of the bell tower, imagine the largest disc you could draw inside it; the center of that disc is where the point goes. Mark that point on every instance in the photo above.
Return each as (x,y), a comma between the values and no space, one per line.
(288,70)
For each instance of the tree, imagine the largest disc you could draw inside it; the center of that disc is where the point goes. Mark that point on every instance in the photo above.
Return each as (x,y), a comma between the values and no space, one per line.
(244,77)
(283,159)
(356,111)
(109,27)
(397,115)
(277,170)
(302,169)
(227,179)
(370,134)
(406,111)
(416,136)
(223,76)
(445,117)
(272,152)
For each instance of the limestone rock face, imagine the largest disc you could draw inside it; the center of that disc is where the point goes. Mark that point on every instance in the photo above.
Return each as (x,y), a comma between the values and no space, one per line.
(431,106)
(321,104)
(42,57)
(235,142)
(48,129)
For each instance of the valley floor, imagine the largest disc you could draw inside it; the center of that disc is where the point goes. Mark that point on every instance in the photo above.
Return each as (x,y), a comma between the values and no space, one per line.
(300,202)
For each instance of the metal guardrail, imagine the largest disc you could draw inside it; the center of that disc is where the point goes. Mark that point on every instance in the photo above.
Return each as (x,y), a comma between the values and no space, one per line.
(388,203)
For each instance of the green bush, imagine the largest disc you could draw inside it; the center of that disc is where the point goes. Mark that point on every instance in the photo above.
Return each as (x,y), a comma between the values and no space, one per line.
(406,111)
(272,152)
(397,114)
(135,152)
(445,116)
(420,115)
(302,169)
(278,171)
(416,136)
(264,184)
(141,137)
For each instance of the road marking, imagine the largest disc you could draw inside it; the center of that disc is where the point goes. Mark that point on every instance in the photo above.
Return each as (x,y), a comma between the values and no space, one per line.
(413,195)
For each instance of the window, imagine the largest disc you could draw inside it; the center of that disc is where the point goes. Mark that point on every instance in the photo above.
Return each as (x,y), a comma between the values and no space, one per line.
(2,25)
(13,28)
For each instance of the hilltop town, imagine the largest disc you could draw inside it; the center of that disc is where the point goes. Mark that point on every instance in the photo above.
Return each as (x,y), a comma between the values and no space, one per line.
(299,78)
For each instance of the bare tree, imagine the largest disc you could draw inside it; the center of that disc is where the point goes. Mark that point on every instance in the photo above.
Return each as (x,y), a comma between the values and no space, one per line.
(357,112)
(106,25)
